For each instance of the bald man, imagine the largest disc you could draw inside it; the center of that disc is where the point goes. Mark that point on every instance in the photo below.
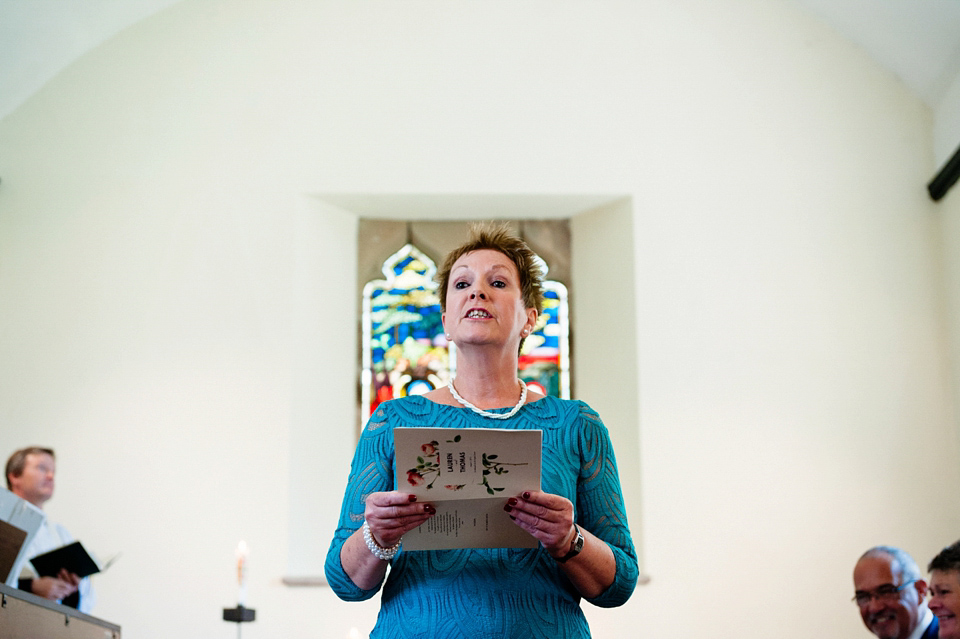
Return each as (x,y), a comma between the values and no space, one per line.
(891,595)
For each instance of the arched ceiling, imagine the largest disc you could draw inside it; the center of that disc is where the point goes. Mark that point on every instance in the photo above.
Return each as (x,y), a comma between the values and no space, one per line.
(40,38)
(917,41)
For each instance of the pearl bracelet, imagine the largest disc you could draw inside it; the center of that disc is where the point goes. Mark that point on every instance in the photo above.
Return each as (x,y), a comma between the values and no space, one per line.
(379,551)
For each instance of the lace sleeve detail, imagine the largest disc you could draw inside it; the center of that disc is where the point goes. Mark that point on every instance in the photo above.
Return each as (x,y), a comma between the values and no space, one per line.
(371,471)
(600,507)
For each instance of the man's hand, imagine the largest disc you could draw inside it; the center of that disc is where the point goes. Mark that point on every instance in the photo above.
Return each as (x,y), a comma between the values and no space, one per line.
(56,588)
(69,577)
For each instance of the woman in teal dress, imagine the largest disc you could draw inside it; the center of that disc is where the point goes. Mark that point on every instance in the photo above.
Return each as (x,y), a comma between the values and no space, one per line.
(491,295)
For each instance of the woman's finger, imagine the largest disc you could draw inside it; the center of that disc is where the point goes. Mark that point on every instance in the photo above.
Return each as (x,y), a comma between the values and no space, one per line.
(391,514)
(548,518)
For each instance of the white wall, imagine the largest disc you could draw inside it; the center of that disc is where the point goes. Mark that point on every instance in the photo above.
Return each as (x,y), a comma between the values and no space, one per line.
(948,216)
(604,318)
(795,399)
(946,125)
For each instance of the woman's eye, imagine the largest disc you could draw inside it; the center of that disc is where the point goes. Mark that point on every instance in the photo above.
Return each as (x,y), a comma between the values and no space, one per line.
(460,285)
(500,284)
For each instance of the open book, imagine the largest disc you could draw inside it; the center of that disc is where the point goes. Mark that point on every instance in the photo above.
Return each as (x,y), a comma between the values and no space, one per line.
(467,474)
(73,557)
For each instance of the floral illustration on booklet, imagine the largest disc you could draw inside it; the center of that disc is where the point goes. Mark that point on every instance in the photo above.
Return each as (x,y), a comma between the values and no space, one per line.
(429,467)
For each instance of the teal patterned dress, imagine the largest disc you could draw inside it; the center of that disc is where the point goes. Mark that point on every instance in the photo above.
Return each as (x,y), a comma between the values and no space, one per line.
(491,593)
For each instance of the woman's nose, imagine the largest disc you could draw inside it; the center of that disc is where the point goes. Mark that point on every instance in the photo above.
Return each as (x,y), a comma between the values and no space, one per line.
(479,294)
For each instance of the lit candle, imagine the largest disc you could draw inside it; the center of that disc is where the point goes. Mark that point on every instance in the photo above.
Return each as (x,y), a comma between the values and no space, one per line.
(242,553)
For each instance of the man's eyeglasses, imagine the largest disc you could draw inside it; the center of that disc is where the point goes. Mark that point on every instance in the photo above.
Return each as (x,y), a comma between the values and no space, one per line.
(886,593)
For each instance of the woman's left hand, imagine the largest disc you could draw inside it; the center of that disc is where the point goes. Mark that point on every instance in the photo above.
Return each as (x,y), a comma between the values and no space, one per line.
(547,517)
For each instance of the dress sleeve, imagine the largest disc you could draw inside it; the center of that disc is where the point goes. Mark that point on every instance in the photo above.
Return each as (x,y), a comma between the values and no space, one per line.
(600,507)
(370,472)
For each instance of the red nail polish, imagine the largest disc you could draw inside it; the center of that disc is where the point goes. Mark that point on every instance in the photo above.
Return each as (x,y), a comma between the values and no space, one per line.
(507,508)
(413,498)
(526,495)
(512,501)
(430,510)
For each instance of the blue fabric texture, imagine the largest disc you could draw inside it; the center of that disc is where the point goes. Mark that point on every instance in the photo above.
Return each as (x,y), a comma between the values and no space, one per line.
(491,593)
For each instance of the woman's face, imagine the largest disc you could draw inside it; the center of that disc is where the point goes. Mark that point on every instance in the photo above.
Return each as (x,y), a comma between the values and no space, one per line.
(945,601)
(484,301)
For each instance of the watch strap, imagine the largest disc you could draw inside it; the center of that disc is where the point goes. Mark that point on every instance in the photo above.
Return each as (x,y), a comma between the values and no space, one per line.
(575,547)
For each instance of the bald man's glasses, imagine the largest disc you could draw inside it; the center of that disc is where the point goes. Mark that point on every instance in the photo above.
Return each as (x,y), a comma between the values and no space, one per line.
(887,593)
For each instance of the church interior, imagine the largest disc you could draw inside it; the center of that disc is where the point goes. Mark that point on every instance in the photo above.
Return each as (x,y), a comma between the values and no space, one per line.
(765,298)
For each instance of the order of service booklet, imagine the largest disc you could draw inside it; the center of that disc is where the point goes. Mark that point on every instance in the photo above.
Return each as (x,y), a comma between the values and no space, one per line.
(467,474)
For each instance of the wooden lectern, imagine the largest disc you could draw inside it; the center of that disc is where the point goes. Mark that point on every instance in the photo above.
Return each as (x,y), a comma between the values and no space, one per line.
(26,616)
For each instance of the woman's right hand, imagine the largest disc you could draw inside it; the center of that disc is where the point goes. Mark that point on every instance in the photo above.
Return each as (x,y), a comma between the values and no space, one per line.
(389,515)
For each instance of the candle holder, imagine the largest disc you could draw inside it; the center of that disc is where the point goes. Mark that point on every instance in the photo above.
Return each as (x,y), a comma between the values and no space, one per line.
(239,615)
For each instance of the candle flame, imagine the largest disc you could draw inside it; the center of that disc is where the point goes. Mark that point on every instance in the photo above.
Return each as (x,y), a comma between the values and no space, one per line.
(242,552)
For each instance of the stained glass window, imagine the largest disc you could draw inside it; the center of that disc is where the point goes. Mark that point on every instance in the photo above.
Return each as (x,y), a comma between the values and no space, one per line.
(545,357)
(404,348)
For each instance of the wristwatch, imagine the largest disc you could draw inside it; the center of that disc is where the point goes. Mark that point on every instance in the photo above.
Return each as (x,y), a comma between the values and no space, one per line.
(575,547)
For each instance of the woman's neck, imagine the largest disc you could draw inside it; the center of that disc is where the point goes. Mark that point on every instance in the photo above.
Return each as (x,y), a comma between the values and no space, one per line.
(487,382)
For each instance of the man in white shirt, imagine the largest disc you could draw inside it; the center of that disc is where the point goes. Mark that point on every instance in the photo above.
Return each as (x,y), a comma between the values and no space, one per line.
(891,595)
(30,475)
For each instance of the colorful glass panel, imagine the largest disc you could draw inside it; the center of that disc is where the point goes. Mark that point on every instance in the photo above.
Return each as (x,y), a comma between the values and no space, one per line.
(544,358)
(404,350)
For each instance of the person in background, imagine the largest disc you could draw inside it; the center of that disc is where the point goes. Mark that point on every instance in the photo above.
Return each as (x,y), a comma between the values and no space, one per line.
(891,593)
(30,475)
(491,295)
(945,590)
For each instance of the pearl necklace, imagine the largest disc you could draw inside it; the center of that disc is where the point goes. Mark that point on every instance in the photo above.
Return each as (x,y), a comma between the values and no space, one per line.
(483,413)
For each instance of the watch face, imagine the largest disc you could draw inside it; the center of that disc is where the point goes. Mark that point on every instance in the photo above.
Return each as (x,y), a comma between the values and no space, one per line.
(578,544)
(575,548)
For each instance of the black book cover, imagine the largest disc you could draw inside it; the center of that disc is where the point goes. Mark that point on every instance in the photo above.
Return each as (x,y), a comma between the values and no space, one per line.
(73,557)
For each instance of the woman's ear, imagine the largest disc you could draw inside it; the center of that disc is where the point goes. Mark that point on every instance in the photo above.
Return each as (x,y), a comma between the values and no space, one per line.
(531,320)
